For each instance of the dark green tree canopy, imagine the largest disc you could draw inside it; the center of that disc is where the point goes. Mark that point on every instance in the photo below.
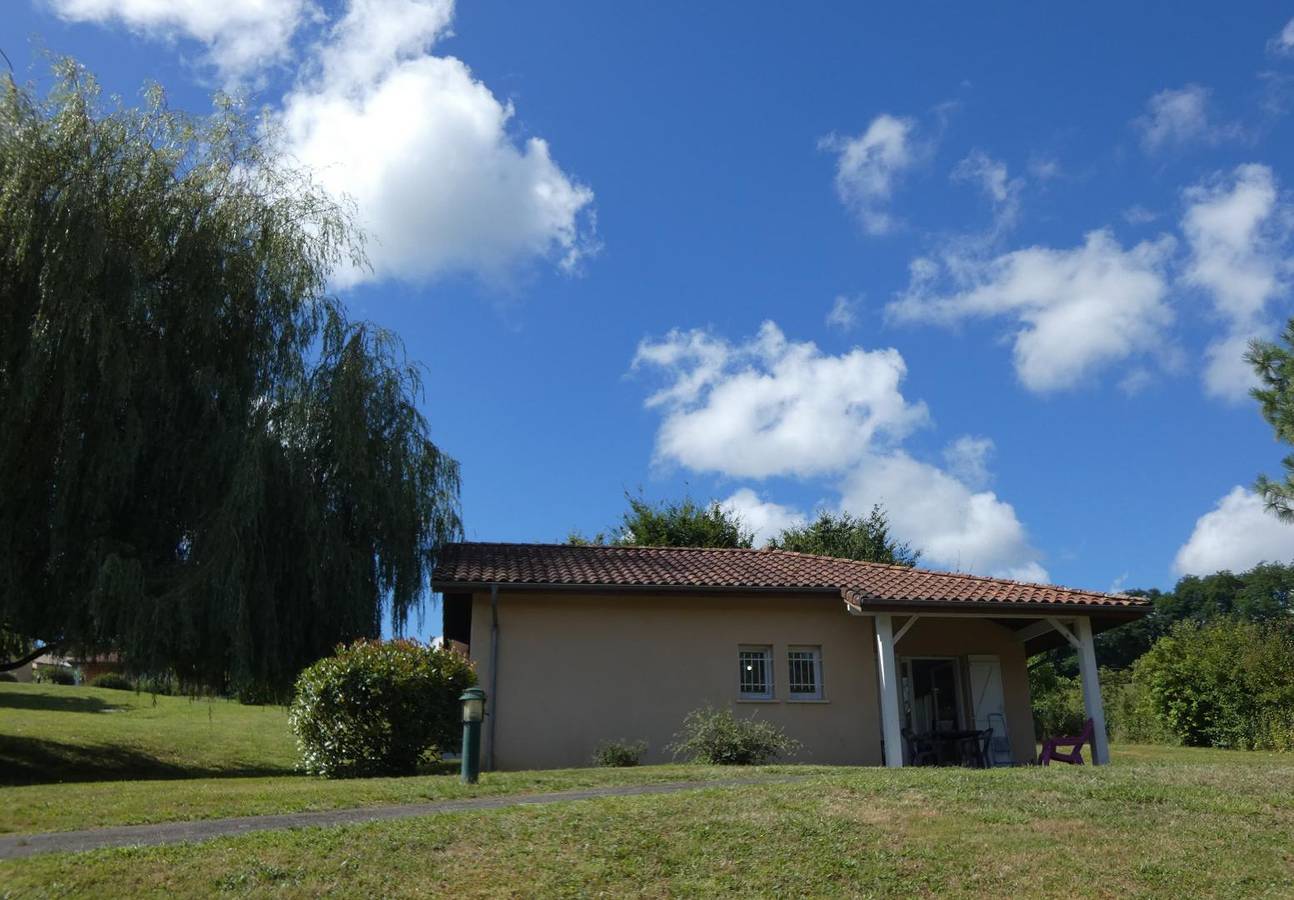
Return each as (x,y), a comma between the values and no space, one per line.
(685,523)
(852,537)
(203,465)
(1274,364)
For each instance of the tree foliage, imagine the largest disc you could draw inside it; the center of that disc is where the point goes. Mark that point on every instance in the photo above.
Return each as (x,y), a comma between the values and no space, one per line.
(1226,683)
(851,537)
(204,465)
(1274,365)
(684,523)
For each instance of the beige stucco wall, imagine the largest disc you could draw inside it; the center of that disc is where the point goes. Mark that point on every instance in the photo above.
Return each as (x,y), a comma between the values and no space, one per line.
(576,669)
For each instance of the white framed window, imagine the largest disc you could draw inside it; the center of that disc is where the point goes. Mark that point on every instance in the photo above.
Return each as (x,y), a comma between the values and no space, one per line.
(805,667)
(755,672)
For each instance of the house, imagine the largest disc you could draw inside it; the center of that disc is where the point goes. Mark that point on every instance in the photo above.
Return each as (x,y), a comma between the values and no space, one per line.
(575,645)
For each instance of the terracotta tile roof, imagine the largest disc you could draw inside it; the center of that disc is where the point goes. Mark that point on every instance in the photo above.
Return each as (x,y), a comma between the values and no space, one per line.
(859,583)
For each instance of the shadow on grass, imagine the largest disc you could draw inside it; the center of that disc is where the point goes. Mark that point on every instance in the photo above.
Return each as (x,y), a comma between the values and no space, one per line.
(54,703)
(25,760)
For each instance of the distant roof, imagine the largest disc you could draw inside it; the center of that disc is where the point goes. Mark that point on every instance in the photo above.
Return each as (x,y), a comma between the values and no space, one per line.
(861,584)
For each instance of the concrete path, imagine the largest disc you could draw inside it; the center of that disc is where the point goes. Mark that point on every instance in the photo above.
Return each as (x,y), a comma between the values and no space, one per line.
(17,846)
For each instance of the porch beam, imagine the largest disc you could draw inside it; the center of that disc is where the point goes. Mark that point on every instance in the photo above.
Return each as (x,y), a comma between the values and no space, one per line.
(1092,691)
(1069,635)
(1037,629)
(898,635)
(887,676)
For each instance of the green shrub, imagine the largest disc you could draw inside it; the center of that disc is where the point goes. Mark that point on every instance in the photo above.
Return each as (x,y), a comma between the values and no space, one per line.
(1226,683)
(1130,715)
(1057,701)
(619,754)
(55,675)
(378,708)
(157,684)
(719,738)
(114,680)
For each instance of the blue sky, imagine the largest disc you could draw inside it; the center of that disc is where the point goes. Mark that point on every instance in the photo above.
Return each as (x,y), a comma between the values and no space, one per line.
(992,268)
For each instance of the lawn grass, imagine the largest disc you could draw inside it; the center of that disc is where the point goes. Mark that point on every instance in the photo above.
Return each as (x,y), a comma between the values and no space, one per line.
(1136,829)
(1161,821)
(51,732)
(89,757)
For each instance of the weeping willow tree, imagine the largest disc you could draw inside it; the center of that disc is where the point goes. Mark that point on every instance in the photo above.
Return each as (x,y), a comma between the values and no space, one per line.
(204,466)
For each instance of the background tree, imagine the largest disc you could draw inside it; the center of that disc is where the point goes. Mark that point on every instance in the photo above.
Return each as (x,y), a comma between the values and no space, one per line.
(1274,365)
(852,537)
(685,523)
(203,465)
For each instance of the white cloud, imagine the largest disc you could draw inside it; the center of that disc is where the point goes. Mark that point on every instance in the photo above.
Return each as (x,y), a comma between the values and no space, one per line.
(764,517)
(844,313)
(241,35)
(953,526)
(1235,229)
(424,150)
(770,406)
(1283,43)
(1175,117)
(1139,215)
(1237,534)
(1079,310)
(992,177)
(869,166)
(967,458)
(989,173)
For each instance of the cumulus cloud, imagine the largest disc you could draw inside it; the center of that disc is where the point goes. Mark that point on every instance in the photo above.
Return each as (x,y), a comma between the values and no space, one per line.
(954,526)
(869,167)
(772,407)
(1237,534)
(1235,230)
(764,517)
(1076,310)
(241,35)
(843,314)
(1175,117)
(424,150)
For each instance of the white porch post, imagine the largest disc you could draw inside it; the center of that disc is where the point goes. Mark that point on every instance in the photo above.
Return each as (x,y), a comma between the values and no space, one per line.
(887,672)
(1092,690)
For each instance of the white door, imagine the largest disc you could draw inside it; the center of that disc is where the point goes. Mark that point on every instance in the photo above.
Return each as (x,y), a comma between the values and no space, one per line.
(989,704)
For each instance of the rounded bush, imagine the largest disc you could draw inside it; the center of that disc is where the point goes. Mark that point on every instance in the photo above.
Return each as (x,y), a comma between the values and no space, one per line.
(378,708)
(55,675)
(719,738)
(114,680)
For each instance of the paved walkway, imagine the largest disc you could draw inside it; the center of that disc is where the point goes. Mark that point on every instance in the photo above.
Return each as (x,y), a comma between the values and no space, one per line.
(17,846)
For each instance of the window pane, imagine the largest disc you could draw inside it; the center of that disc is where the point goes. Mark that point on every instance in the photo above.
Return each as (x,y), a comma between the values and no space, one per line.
(755,671)
(805,667)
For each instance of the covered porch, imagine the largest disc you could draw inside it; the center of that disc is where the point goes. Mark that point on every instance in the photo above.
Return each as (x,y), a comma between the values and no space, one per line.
(953,684)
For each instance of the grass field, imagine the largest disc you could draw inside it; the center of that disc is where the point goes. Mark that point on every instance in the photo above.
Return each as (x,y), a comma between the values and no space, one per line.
(1160,822)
